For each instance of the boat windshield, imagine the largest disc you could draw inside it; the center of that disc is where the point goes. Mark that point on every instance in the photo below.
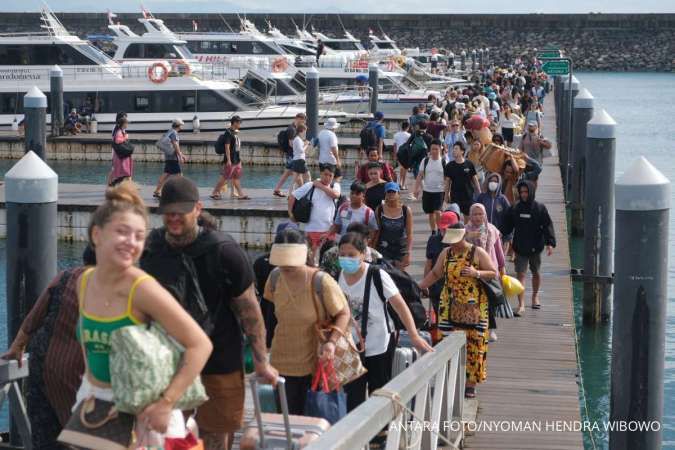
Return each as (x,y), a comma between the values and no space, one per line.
(385,45)
(344,45)
(93,54)
(297,50)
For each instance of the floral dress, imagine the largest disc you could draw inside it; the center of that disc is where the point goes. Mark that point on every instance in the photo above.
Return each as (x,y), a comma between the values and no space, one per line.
(462,300)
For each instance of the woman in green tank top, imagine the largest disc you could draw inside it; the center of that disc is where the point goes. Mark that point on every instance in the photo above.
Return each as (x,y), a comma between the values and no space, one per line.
(115,293)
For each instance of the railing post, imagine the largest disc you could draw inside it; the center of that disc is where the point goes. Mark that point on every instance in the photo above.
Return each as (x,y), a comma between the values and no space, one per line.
(10,377)
(462,60)
(35,111)
(56,95)
(565,131)
(473,60)
(312,102)
(583,111)
(640,299)
(373,83)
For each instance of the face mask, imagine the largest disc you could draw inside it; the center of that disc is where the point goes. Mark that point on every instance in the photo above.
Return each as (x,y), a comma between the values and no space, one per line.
(493,185)
(349,265)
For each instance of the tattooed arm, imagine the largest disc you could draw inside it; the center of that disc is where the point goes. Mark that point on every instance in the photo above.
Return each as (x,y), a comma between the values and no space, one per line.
(247,310)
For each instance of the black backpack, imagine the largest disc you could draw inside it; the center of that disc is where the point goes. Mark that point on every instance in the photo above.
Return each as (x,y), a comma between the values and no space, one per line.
(409,290)
(302,208)
(282,140)
(368,136)
(219,147)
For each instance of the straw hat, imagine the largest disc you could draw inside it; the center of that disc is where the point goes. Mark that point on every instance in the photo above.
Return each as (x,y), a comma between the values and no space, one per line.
(288,255)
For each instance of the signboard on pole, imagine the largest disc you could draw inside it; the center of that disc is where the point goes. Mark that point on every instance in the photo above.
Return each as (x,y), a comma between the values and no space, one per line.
(549,54)
(556,67)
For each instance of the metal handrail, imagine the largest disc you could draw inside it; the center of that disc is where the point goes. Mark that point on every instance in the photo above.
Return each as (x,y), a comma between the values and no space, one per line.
(436,385)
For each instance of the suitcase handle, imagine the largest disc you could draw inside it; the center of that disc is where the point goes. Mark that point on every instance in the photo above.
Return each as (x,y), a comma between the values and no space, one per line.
(281,387)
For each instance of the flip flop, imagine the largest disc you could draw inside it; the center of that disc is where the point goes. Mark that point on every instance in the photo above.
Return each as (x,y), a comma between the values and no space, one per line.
(537,306)
(278,194)
(216,197)
(243,197)
(156,194)
(470,392)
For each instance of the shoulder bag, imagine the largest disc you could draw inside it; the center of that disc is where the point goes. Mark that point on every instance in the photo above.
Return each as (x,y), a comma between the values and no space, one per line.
(143,361)
(302,208)
(347,362)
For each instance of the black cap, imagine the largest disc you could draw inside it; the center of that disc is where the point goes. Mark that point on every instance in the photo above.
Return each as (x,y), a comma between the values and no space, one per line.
(179,195)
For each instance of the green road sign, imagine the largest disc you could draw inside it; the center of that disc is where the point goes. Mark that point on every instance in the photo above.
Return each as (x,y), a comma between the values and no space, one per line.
(556,67)
(551,47)
(549,54)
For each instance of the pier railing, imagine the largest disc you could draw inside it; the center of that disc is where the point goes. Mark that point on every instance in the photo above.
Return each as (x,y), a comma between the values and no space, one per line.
(422,406)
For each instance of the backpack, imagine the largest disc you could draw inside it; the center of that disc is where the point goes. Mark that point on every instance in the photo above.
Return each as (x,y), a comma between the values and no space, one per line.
(426,163)
(316,282)
(282,140)
(368,136)
(344,205)
(223,139)
(302,208)
(418,149)
(409,290)
(165,145)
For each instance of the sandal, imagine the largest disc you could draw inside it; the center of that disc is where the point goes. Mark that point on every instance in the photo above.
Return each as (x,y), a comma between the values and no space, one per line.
(537,306)
(216,197)
(470,392)
(519,311)
(278,194)
(243,197)
(156,194)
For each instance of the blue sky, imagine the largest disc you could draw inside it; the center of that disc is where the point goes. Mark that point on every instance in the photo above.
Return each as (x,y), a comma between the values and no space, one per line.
(348,6)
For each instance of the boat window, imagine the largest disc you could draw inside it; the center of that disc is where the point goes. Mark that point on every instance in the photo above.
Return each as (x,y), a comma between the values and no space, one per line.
(11,103)
(43,55)
(152,51)
(283,88)
(296,50)
(189,103)
(184,52)
(344,45)
(214,101)
(299,82)
(142,103)
(385,45)
(262,48)
(133,51)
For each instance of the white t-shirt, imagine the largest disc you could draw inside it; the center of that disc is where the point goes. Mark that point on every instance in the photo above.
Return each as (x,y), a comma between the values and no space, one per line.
(505,122)
(327,141)
(298,148)
(401,138)
(347,215)
(323,207)
(433,178)
(377,338)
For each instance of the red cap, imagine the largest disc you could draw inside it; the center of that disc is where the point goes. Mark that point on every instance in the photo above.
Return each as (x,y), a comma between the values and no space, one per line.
(448,219)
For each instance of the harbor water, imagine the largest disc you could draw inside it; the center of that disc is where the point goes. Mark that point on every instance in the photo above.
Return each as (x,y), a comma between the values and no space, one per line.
(641,103)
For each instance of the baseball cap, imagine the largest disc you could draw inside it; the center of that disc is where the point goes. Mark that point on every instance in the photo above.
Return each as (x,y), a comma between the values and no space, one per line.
(379,115)
(454,207)
(177,121)
(179,195)
(448,218)
(392,186)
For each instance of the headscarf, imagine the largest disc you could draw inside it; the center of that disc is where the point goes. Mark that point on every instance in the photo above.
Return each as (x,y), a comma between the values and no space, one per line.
(488,233)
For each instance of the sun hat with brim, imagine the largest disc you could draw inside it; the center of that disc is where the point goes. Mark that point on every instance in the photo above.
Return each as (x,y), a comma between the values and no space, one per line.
(179,195)
(331,124)
(288,255)
(453,235)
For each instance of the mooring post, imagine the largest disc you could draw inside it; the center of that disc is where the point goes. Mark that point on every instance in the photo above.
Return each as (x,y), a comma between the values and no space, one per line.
(487,56)
(582,113)
(565,127)
(598,204)
(557,90)
(312,102)
(473,60)
(462,60)
(481,59)
(640,298)
(56,95)
(451,61)
(35,126)
(31,193)
(374,84)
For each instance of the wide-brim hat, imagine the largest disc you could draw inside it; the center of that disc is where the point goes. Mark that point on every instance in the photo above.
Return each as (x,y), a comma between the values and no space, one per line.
(331,124)
(453,235)
(288,255)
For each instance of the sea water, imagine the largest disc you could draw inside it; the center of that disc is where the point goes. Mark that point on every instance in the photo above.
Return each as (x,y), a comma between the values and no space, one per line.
(643,105)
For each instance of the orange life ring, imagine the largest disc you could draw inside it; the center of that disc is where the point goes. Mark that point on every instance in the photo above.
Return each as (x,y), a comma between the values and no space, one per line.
(279,65)
(158,76)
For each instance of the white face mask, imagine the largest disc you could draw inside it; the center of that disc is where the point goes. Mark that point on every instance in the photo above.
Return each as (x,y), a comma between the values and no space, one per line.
(493,185)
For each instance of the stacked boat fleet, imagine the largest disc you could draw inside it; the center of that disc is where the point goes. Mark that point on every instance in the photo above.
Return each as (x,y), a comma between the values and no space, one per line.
(204,78)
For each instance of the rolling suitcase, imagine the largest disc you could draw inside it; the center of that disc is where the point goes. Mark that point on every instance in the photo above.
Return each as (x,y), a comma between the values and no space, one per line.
(280,431)
(403,358)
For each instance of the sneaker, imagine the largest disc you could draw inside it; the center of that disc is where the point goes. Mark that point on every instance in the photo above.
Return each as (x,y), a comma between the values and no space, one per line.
(493,336)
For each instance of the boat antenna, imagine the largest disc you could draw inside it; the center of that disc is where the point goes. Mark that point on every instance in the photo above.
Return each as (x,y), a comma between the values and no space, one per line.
(225,21)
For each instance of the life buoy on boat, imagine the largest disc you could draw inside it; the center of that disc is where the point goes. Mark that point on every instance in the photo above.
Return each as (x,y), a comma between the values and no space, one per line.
(158,72)
(279,65)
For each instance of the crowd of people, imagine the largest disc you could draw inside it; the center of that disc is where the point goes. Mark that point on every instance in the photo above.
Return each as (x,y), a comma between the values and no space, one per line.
(327,264)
